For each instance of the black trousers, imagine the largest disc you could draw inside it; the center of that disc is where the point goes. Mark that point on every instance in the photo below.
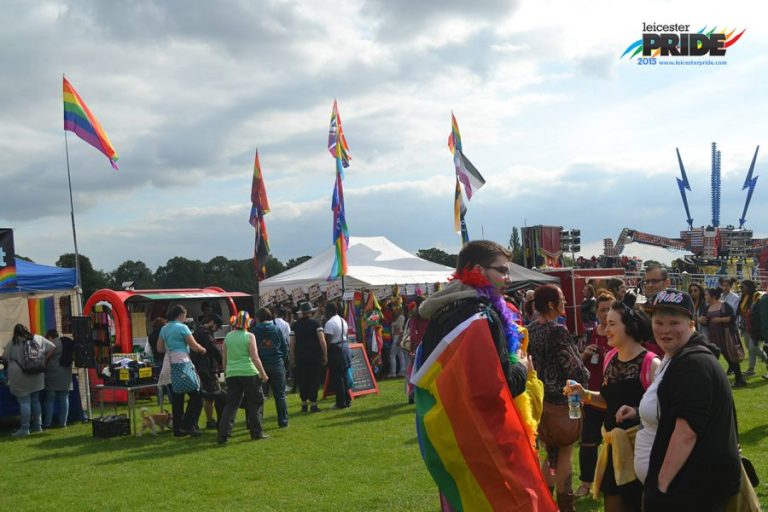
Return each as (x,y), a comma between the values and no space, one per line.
(309,372)
(248,391)
(337,375)
(185,420)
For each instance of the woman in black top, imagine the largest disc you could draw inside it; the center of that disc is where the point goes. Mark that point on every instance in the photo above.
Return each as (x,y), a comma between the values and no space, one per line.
(623,384)
(694,463)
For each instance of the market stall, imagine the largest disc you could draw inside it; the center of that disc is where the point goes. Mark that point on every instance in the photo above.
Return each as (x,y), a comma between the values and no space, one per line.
(120,321)
(44,298)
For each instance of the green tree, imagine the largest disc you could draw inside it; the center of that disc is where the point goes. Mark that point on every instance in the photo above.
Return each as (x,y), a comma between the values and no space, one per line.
(293,262)
(275,266)
(515,246)
(136,271)
(90,278)
(179,272)
(24,258)
(436,255)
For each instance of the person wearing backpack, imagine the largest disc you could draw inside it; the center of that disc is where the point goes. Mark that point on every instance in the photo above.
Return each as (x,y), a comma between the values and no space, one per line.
(27,356)
(627,372)
(58,380)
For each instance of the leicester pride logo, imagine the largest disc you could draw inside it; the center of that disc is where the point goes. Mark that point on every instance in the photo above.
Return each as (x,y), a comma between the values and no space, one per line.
(676,40)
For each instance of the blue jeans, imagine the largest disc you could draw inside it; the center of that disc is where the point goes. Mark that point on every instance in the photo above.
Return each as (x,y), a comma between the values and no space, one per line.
(29,407)
(276,382)
(51,398)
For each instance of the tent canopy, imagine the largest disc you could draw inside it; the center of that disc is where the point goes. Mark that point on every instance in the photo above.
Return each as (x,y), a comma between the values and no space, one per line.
(376,261)
(371,261)
(31,277)
(521,277)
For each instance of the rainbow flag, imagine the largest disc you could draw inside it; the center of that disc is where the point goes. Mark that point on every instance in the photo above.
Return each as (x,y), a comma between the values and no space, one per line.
(79,119)
(454,139)
(259,208)
(338,143)
(8,277)
(471,436)
(42,315)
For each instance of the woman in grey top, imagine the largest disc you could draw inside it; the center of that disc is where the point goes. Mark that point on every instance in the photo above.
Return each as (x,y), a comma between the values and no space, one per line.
(58,382)
(25,387)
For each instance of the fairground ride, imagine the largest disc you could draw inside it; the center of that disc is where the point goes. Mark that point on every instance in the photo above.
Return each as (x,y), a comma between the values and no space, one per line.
(712,245)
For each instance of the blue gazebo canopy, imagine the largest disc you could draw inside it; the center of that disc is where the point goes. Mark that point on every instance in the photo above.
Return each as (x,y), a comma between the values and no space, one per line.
(31,277)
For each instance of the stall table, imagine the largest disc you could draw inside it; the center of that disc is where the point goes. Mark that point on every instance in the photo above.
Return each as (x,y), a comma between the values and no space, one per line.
(131,390)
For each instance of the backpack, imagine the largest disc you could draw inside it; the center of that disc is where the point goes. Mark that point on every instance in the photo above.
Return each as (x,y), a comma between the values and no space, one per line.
(755,322)
(645,368)
(33,358)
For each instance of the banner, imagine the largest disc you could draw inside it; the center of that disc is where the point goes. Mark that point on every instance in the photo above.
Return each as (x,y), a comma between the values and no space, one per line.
(333,291)
(7,260)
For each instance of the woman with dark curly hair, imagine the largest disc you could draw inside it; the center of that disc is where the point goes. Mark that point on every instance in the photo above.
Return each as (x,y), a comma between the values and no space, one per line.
(628,371)
(556,360)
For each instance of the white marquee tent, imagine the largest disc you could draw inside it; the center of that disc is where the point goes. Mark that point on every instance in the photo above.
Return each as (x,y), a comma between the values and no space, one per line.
(371,262)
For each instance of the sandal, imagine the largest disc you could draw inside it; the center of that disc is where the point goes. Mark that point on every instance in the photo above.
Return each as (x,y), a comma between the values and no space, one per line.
(584,489)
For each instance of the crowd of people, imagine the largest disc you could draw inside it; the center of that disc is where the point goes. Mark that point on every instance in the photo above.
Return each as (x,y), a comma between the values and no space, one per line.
(657,421)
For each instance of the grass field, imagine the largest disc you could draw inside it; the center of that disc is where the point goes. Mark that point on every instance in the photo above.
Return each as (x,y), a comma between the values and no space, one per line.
(360,459)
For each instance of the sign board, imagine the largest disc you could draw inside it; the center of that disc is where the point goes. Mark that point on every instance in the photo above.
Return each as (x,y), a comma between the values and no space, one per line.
(410,289)
(7,259)
(314,292)
(364,383)
(382,293)
(268,298)
(333,291)
(281,295)
(349,295)
(298,295)
(712,281)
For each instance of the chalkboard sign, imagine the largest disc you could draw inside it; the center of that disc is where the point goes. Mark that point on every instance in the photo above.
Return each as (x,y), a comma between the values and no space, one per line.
(364,383)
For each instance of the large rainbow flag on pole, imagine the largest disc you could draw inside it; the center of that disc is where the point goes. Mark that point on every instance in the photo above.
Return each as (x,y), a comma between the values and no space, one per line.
(337,145)
(471,436)
(79,119)
(259,208)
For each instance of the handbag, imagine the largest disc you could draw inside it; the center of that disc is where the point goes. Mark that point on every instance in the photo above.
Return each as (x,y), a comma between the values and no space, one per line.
(556,428)
(184,378)
(734,350)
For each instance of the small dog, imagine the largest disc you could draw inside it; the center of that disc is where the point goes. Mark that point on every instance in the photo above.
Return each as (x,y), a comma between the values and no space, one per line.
(150,421)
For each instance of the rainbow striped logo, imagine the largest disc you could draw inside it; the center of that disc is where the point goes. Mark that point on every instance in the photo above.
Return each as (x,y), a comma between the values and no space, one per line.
(658,43)
(8,277)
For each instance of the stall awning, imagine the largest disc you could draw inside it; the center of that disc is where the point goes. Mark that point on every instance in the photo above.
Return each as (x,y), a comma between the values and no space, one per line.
(144,296)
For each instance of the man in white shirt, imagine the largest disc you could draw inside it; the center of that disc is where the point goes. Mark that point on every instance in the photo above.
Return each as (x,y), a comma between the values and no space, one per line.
(338,355)
(728,296)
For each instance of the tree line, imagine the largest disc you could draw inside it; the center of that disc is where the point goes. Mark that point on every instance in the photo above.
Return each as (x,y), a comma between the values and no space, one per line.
(231,275)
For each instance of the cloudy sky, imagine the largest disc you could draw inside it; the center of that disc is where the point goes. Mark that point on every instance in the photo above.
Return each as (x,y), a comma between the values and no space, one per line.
(564,131)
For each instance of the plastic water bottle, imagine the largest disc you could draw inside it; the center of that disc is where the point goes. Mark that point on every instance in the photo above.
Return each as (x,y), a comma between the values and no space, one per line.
(574,404)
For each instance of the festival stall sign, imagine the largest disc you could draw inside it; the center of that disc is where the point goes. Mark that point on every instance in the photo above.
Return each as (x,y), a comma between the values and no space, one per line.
(7,259)
(269,298)
(363,381)
(281,295)
(348,295)
(333,291)
(381,292)
(298,295)
(410,289)
(315,292)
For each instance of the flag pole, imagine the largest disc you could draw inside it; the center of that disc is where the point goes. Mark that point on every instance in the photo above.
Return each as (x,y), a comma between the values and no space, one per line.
(74,231)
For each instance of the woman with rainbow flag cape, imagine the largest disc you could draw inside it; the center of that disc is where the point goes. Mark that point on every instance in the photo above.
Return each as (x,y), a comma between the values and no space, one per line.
(469,368)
